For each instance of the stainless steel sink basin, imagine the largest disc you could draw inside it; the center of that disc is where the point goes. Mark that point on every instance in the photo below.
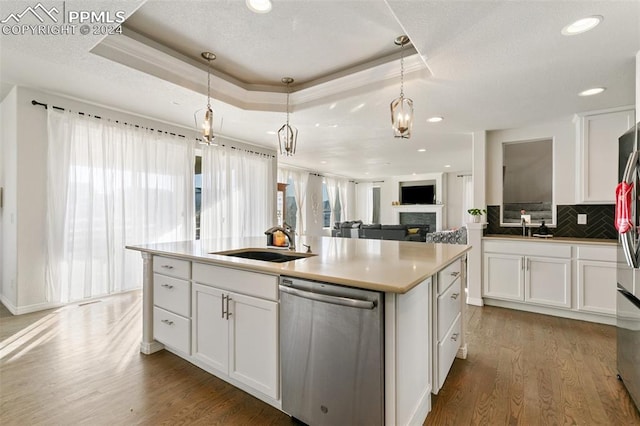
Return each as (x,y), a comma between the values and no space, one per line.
(265,255)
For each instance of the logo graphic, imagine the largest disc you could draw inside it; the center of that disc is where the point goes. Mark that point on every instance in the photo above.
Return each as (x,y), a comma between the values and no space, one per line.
(38,11)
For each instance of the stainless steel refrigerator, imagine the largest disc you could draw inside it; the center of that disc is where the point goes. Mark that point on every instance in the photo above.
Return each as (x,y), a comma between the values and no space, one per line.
(627,219)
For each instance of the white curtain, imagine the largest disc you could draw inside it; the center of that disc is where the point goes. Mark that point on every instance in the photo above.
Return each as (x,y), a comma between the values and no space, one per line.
(365,201)
(467,198)
(300,181)
(332,192)
(238,193)
(346,190)
(111,185)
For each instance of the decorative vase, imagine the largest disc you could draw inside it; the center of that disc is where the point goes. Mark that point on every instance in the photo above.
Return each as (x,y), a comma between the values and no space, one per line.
(476,218)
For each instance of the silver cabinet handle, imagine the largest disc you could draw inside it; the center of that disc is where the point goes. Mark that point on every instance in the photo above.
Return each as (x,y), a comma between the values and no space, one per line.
(168,286)
(167,266)
(222,300)
(528,263)
(455,274)
(166,321)
(454,337)
(454,296)
(228,313)
(522,263)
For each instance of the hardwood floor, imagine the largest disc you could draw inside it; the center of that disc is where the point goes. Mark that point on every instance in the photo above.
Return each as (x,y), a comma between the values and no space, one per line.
(80,365)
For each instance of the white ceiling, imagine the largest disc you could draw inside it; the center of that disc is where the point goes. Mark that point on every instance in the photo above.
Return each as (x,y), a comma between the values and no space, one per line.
(483,65)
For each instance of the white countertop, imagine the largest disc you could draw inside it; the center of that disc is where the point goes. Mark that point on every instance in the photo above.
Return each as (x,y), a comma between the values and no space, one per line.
(382,265)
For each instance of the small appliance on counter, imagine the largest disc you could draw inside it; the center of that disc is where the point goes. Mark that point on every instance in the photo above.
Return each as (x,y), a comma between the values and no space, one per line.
(627,215)
(542,231)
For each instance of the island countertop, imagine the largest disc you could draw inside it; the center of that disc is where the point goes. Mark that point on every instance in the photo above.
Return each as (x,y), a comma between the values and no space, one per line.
(381,265)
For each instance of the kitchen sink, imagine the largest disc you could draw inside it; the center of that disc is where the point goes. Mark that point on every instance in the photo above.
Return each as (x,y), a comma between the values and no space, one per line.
(265,255)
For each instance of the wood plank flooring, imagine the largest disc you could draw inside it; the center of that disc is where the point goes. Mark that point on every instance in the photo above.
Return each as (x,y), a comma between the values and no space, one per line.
(80,365)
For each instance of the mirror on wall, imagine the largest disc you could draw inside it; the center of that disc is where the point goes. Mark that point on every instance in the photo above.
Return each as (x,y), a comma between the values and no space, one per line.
(527,181)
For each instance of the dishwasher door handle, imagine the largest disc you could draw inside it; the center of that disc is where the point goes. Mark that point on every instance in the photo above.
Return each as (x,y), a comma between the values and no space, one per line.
(336,300)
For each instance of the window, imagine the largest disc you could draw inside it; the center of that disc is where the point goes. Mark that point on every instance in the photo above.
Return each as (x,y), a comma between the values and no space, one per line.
(326,207)
(290,201)
(198,186)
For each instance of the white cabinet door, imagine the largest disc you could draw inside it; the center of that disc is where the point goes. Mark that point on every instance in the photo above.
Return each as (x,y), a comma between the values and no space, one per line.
(548,281)
(253,343)
(597,150)
(597,286)
(503,276)
(210,342)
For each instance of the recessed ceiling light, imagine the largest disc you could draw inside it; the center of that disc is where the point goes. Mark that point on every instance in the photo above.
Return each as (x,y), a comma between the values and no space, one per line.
(593,91)
(414,173)
(317,124)
(175,103)
(323,162)
(334,125)
(435,119)
(271,132)
(422,150)
(447,165)
(259,6)
(582,25)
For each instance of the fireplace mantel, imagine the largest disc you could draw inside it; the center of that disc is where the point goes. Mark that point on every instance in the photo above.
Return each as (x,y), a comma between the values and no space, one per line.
(438,209)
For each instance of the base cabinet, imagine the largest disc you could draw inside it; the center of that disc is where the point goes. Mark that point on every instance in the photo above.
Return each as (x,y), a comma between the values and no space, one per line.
(237,335)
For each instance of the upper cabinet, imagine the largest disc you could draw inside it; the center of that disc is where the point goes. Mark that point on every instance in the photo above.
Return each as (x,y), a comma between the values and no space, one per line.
(597,153)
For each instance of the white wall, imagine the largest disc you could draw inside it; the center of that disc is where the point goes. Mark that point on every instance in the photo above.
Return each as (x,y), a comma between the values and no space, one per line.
(390,192)
(454,217)
(8,213)
(563,133)
(638,86)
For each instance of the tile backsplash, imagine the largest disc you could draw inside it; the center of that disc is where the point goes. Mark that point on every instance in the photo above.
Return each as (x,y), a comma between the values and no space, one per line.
(599,222)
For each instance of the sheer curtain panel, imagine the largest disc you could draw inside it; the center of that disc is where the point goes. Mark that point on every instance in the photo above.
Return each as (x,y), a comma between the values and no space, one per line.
(238,193)
(110,185)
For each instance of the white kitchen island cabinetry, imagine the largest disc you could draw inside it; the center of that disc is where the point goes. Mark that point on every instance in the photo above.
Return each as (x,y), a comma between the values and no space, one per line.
(596,279)
(232,315)
(234,333)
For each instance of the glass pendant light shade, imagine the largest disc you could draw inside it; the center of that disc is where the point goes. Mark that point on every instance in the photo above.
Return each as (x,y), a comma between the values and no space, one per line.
(402,117)
(401,107)
(287,135)
(206,121)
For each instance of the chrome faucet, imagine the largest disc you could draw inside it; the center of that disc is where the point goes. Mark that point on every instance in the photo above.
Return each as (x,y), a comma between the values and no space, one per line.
(286,230)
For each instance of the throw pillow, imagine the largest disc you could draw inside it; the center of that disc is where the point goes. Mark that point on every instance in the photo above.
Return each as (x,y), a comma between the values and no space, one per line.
(413,230)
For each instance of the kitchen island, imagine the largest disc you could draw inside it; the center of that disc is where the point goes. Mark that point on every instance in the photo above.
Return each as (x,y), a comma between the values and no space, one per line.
(192,292)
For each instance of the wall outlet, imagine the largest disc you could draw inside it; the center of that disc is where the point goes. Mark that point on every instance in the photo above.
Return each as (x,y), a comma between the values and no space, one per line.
(582,219)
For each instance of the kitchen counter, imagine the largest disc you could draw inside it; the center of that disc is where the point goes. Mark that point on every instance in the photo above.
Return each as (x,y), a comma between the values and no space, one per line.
(388,266)
(565,240)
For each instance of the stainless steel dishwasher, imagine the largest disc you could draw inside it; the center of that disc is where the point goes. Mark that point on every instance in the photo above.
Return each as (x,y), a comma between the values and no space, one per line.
(331,349)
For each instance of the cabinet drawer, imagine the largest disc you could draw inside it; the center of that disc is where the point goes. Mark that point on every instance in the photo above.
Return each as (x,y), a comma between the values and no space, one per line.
(448,275)
(528,248)
(172,330)
(448,309)
(170,266)
(447,351)
(172,294)
(250,283)
(600,253)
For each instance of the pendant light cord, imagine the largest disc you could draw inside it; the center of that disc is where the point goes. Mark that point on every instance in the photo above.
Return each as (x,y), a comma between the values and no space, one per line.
(402,70)
(209,83)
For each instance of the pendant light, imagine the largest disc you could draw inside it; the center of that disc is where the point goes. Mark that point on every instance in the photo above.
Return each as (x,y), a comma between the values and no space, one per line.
(287,135)
(207,121)
(401,107)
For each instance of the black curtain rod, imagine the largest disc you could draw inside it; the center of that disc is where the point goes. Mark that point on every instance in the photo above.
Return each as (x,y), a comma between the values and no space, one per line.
(34,102)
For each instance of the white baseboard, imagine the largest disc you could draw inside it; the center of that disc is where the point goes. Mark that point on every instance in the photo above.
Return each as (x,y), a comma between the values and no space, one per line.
(556,312)
(462,352)
(149,348)
(476,301)
(27,309)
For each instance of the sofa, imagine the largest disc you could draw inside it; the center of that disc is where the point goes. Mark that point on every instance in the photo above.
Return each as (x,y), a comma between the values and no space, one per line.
(376,231)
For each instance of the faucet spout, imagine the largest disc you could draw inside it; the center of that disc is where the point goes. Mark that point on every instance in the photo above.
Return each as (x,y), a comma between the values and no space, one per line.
(286,230)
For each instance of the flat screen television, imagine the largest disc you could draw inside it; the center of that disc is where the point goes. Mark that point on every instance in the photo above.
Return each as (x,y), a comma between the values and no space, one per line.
(419,194)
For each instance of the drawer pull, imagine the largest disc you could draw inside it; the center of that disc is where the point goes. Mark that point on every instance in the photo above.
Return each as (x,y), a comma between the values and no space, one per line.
(222,300)
(454,337)
(169,286)
(228,313)
(455,274)
(167,266)
(454,296)
(166,321)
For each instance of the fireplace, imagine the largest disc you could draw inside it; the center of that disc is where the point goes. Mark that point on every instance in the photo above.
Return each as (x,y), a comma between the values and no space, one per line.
(420,215)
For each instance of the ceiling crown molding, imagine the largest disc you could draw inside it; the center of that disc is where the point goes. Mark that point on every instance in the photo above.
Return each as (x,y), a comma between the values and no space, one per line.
(138,52)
